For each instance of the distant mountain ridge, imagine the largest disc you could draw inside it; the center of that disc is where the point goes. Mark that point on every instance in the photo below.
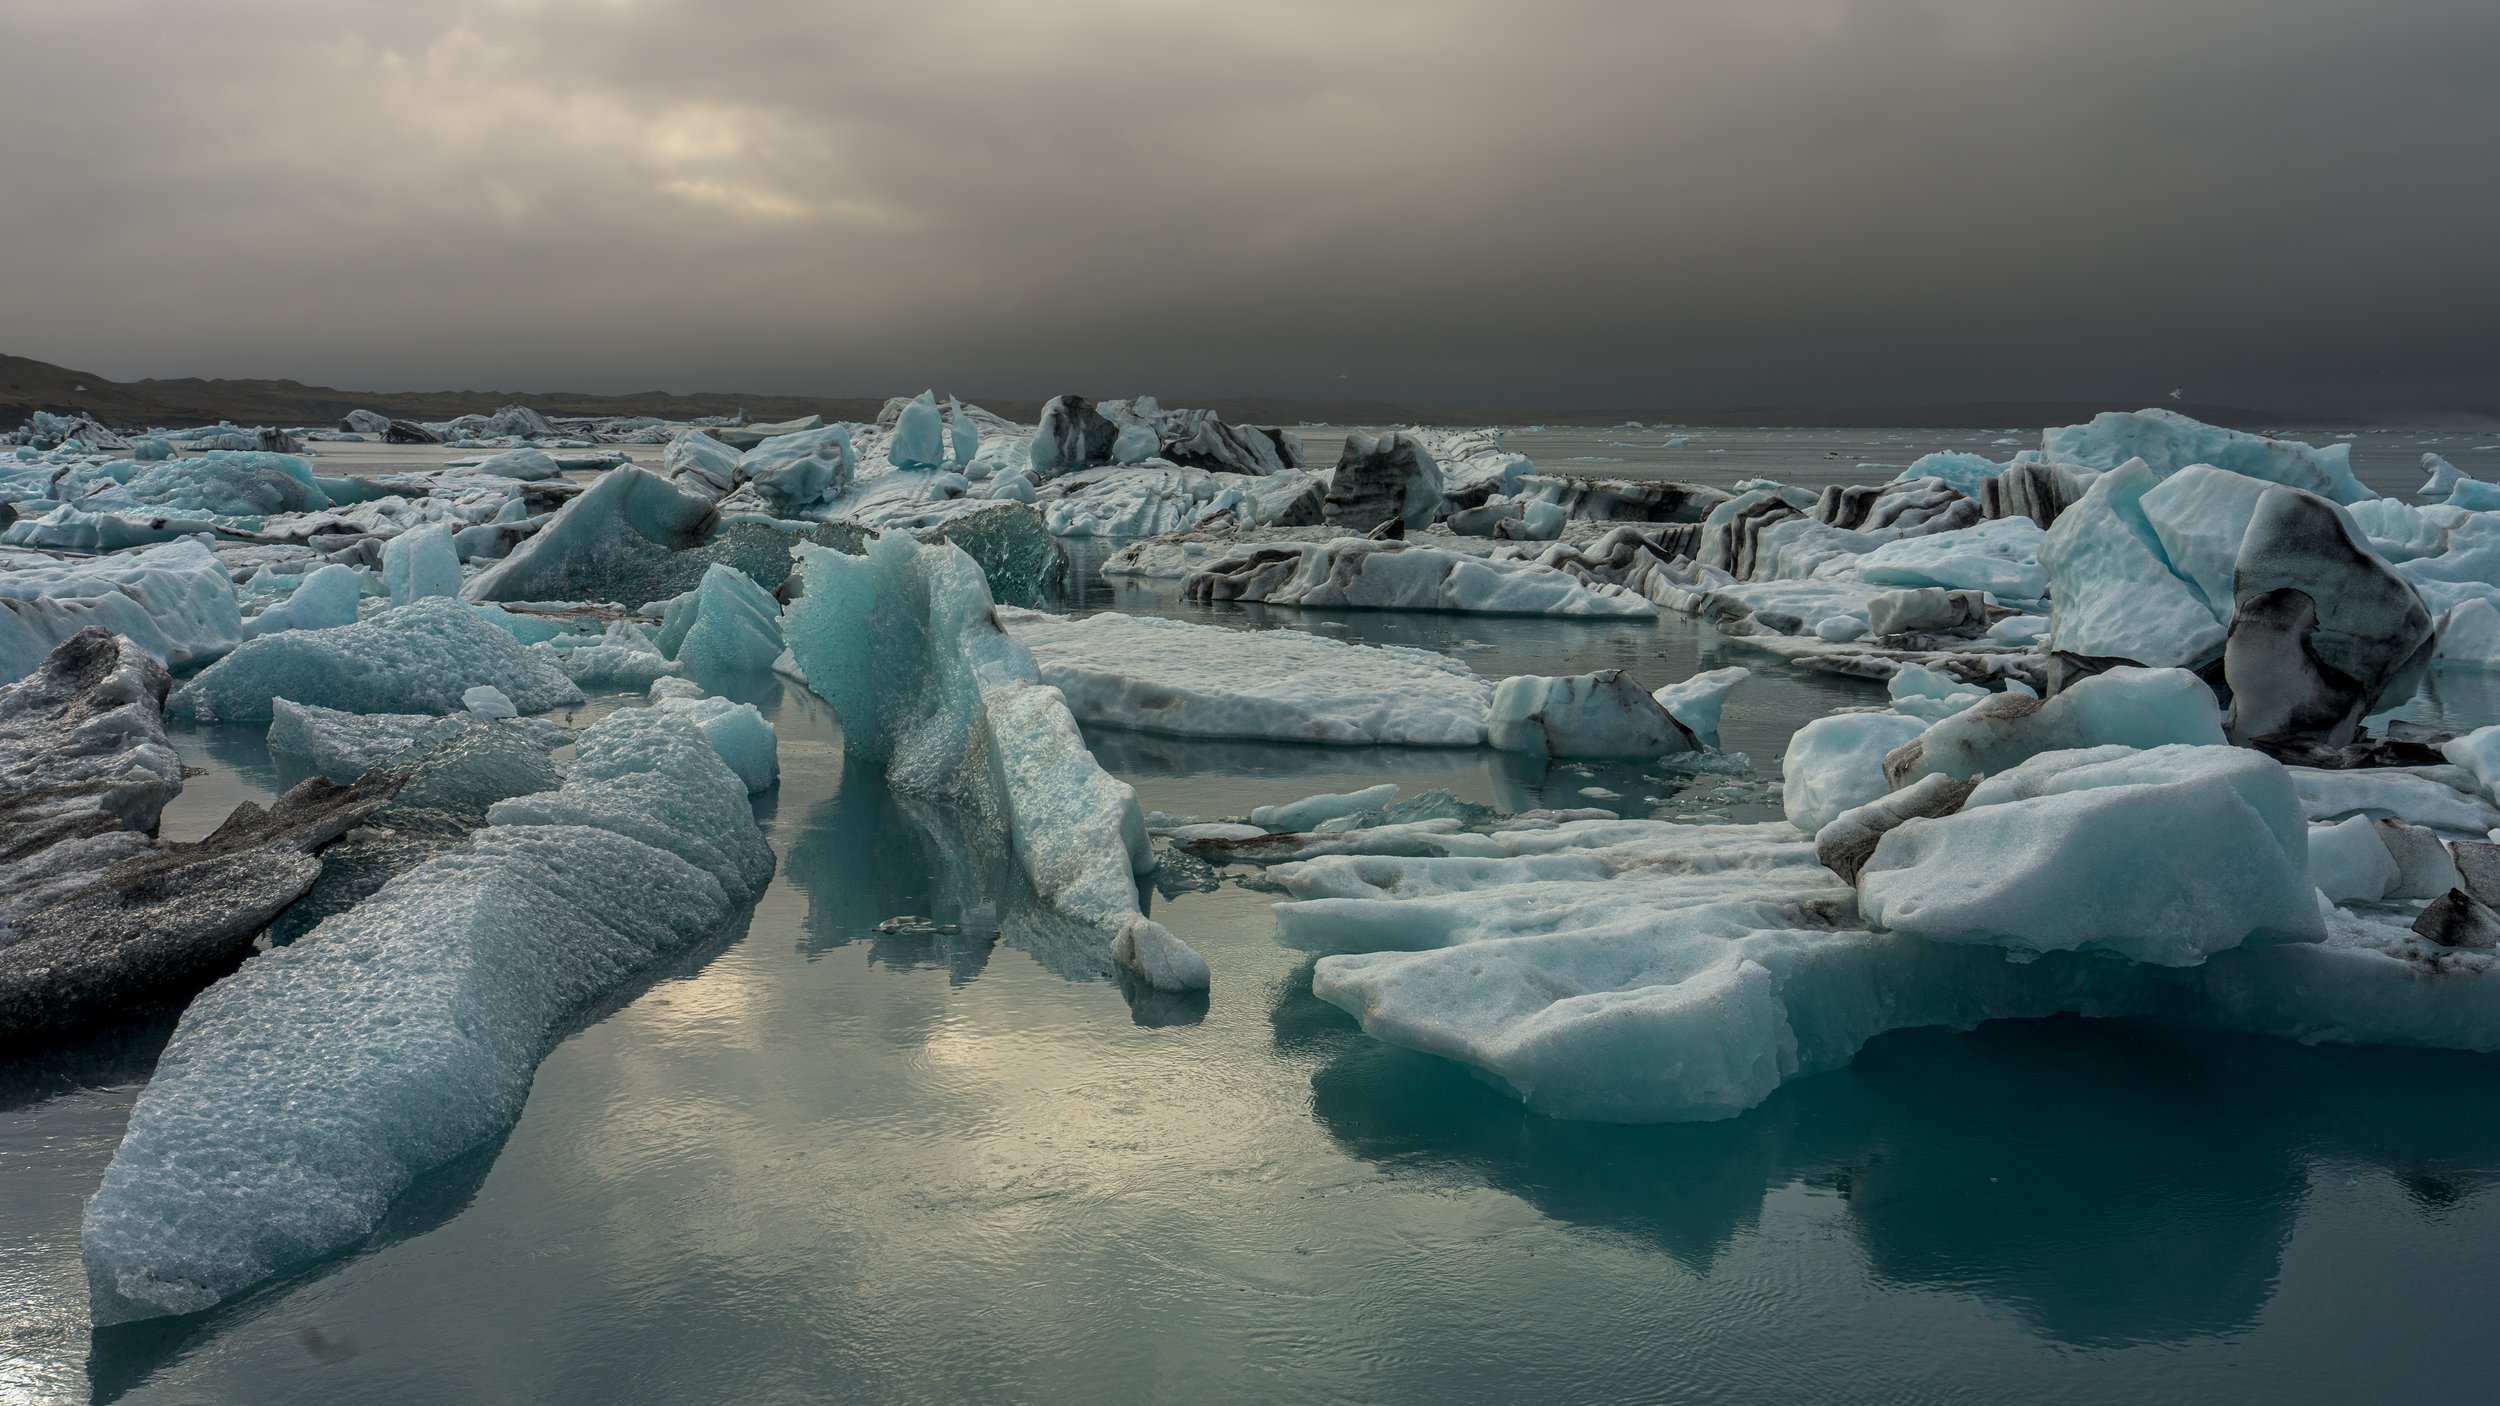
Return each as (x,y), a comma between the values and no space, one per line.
(27,385)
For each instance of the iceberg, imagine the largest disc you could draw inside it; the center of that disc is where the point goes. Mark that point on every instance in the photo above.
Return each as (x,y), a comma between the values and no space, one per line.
(2112,594)
(421,562)
(1071,435)
(1155,499)
(324,599)
(2322,631)
(1640,971)
(616,541)
(2349,864)
(84,768)
(906,646)
(963,436)
(726,625)
(414,658)
(1381,480)
(2125,707)
(919,439)
(1698,701)
(1189,680)
(696,461)
(2168,441)
(301,1095)
(1999,558)
(737,731)
(795,471)
(97,920)
(526,465)
(1836,764)
(1964,471)
(624,659)
(1311,812)
(2469,637)
(2164,856)
(174,601)
(1602,714)
(1359,573)
(229,483)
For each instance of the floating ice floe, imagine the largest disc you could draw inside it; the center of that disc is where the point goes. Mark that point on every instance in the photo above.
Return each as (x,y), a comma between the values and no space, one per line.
(84,768)
(906,645)
(1604,714)
(301,1095)
(419,657)
(623,659)
(1191,680)
(1698,701)
(1645,971)
(173,601)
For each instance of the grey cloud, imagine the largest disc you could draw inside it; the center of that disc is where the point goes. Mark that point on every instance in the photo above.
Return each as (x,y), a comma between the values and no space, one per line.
(2280,202)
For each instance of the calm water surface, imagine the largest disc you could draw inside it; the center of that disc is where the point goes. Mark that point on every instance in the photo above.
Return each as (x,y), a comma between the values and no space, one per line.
(810,1161)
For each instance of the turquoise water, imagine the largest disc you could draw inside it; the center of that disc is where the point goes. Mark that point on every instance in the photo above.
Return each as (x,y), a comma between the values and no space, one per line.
(813,1161)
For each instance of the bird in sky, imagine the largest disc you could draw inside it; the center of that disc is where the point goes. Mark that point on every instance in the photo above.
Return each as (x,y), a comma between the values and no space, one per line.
(2178,393)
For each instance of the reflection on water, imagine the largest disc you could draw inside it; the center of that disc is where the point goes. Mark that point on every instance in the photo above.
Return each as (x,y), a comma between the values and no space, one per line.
(2114,1182)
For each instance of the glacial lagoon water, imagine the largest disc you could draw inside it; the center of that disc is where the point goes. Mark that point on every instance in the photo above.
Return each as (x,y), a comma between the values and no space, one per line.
(817,1160)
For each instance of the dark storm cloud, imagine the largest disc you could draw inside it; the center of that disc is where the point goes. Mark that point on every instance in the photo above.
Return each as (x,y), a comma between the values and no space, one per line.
(2282,202)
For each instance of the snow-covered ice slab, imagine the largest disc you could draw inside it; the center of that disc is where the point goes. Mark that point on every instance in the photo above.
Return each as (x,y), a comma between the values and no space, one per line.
(1640,971)
(1360,573)
(1191,680)
(417,658)
(301,1095)
(174,601)
(906,645)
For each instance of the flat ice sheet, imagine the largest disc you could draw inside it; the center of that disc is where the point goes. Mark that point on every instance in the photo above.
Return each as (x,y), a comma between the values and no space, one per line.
(1187,680)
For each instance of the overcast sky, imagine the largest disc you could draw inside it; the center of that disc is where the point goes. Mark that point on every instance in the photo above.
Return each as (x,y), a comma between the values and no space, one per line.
(2284,203)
